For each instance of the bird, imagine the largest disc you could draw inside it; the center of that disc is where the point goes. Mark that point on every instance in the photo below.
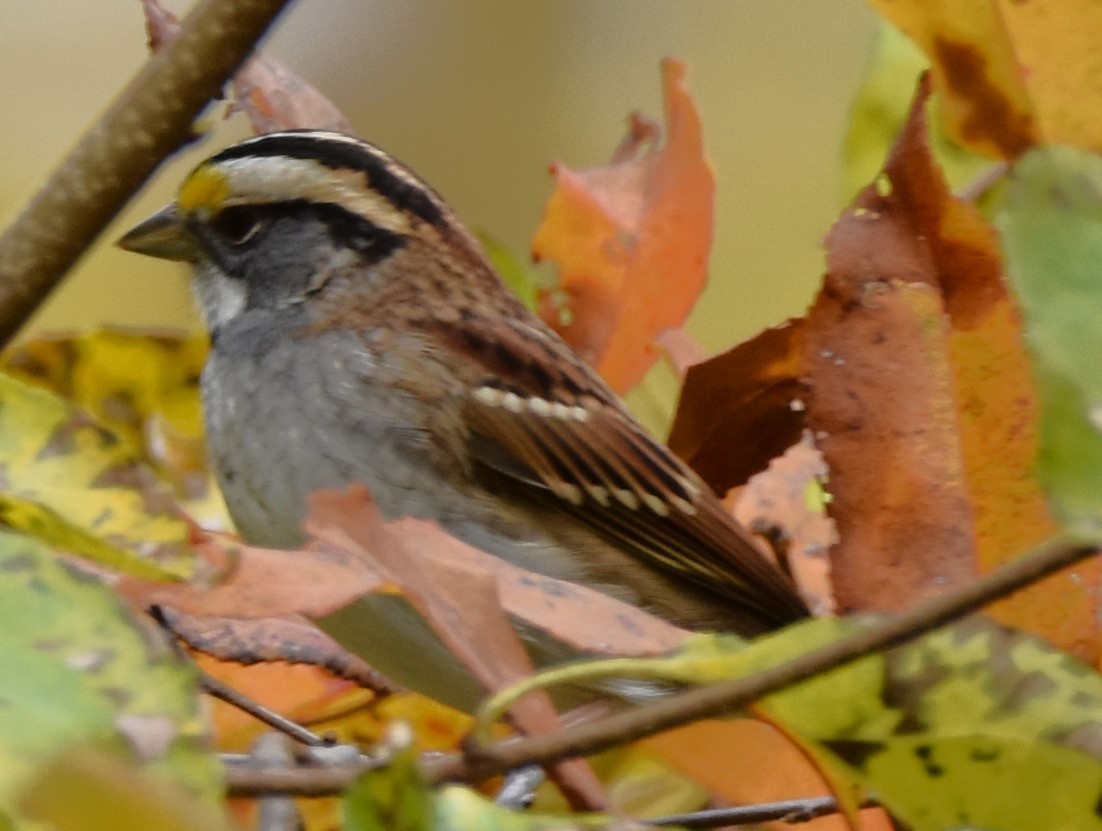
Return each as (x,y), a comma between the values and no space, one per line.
(359,334)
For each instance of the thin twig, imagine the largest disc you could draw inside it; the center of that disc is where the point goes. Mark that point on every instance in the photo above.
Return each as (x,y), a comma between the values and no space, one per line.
(979,187)
(305,781)
(223,692)
(150,120)
(217,689)
(785,810)
(705,702)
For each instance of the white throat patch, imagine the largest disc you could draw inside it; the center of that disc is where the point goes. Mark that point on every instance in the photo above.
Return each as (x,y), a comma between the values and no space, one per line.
(220,298)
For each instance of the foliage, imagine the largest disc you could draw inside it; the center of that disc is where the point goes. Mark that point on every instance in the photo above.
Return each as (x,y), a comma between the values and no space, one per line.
(933,416)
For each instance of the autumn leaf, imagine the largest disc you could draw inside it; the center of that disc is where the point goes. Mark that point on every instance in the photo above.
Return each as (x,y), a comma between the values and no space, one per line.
(982,94)
(880,109)
(76,485)
(743,407)
(143,386)
(1010,76)
(923,402)
(334,571)
(69,639)
(271,95)
(631,241)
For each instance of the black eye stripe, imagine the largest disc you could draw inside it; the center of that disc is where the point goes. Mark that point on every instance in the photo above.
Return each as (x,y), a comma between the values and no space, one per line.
(239,224)
(417,199)
(348,229)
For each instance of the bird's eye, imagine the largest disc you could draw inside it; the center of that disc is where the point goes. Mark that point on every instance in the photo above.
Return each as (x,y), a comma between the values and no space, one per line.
(239,224)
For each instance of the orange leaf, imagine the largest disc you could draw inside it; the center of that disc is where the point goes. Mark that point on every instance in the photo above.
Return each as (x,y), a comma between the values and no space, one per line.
(1011,74)
(714,754)
(631,241)
(981,91)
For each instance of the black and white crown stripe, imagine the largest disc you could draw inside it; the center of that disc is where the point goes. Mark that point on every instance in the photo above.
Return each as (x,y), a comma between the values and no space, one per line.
(406,194)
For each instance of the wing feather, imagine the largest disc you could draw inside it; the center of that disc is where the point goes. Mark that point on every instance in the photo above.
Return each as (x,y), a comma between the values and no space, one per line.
(610,476)
(540,417)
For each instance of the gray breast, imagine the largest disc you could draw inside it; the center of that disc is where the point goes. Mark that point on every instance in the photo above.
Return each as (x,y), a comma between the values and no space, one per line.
(285,418)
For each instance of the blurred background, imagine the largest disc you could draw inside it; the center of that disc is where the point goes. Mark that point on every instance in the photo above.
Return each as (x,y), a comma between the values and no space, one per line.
(479,96)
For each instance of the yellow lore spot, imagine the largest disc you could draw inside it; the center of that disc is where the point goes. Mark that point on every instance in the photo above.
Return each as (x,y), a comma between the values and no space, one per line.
(205,189)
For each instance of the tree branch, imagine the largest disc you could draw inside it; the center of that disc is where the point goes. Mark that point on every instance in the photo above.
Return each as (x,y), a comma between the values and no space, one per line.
(715,700)
(720,699)
(149,121)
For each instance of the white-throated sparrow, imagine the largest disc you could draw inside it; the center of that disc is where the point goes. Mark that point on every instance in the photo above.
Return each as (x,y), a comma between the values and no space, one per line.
(359,335)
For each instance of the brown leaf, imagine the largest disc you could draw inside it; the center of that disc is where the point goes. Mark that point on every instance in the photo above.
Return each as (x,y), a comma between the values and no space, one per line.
(264,583)
(969,403)
(328,575)
(883,407)
(884,417)
(981,89)
(161,25)
(275,98)
(578,617)
(742,408)
(291,639)
(460,602)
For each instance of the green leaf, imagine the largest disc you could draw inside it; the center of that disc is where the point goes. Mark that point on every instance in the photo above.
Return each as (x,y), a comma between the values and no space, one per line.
(526,280)
(89,790)
(980,727)
(921,725)
(107,505)
(394,797)
(1051,226)
(79,669)
(520,276)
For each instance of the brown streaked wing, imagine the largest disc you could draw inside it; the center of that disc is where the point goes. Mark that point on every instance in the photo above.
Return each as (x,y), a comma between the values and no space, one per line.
(610,476)
(541,417)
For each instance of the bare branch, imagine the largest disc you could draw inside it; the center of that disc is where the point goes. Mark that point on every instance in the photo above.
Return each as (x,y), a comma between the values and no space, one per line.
(150,120)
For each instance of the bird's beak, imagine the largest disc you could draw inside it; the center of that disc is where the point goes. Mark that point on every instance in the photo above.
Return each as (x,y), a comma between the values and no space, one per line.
(162,235)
